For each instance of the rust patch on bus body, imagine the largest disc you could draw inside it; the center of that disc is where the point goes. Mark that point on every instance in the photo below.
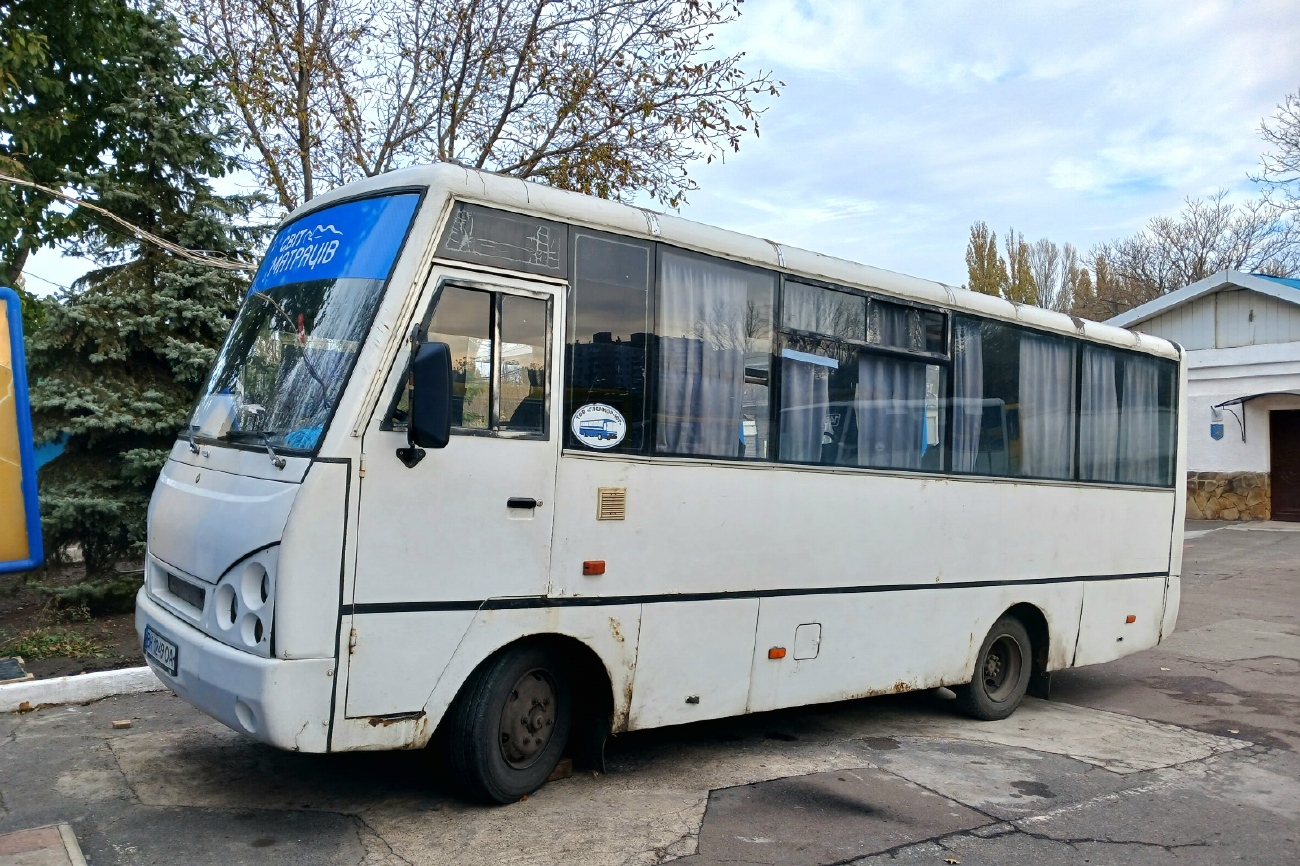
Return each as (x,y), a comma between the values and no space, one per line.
(615,630)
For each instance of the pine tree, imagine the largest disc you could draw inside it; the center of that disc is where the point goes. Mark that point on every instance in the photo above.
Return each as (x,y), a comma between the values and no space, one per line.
(986,270)
(118,362)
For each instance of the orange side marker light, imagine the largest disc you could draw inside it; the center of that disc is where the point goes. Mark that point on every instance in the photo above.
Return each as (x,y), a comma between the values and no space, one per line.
(592,567)
(1130,618)
(776,652)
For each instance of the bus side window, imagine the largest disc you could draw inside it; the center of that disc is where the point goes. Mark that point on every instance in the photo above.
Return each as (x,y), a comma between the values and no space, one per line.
(1015,393)
(714,336)
(1123,431)
(848,397)
(609,320)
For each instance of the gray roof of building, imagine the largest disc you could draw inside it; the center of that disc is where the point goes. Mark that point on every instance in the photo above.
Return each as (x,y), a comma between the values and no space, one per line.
(1282,288)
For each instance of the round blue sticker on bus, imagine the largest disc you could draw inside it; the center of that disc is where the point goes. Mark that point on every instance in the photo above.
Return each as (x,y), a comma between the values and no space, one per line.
(599,426)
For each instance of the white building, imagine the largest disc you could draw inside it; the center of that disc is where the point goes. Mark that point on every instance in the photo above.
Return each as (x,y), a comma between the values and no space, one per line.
(1242,336)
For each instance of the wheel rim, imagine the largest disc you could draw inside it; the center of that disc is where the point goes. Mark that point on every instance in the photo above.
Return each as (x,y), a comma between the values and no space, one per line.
(1002,666)
(528,718)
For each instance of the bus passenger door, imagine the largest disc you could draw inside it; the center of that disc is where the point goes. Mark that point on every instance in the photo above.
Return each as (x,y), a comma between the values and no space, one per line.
(469,522)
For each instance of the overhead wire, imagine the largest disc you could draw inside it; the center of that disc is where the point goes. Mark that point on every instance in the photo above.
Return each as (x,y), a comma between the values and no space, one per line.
(30,275)
(196,256)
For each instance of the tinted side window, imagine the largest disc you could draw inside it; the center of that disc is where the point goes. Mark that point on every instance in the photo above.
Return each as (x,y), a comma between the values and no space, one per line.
(843,405)
(608,324)
(505,240)
(714,337)
(1014,411)
(1126,403)
(824,311)
(897,326)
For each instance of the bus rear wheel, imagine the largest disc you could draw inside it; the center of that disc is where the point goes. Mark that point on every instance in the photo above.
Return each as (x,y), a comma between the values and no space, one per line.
(509,725)
(1002,671)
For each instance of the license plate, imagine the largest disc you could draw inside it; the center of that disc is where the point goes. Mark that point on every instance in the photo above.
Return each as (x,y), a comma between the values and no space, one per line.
(160,649)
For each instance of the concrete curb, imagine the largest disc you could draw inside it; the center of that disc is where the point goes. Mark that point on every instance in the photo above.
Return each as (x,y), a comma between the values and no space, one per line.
(79,689)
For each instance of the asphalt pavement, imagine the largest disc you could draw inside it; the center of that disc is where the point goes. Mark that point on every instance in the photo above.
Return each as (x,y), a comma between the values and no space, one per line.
(1182,754)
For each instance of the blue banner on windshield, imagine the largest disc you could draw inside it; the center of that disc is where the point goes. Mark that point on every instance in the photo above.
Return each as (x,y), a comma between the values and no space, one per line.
(359,239)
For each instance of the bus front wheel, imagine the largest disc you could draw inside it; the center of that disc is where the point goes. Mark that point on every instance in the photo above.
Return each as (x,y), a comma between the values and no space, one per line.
(1002,671)
(509,725)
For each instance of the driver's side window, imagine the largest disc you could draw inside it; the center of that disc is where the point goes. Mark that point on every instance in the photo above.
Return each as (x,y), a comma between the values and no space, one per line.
(499,362)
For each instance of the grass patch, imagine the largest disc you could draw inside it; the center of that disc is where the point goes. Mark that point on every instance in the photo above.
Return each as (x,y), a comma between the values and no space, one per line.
(48,643)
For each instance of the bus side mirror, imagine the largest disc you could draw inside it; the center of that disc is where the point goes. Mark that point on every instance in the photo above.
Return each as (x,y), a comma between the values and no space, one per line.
(429,424)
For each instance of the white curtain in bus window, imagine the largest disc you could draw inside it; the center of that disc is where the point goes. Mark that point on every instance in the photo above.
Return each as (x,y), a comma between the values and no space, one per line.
(968,386)
(1046,407)
(805,405)
(1100,420)
(891,407)
(906,328)
(1139,423)
(701,329)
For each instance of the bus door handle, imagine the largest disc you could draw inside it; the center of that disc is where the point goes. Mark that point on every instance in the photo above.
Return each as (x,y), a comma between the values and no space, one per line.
(522,502)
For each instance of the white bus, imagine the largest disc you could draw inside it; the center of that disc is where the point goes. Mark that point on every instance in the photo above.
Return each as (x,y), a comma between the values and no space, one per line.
(521,468)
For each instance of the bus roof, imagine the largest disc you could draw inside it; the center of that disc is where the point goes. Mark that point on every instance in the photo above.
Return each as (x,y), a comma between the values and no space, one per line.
(448,181)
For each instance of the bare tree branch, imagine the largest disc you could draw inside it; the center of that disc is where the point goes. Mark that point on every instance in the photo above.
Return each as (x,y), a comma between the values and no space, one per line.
(607,97)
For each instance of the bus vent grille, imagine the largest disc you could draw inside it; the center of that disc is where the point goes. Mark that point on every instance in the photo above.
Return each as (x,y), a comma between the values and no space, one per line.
(611,503)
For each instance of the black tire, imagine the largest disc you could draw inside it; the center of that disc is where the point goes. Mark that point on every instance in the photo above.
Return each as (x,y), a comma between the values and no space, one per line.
(1002,671)
(508,726)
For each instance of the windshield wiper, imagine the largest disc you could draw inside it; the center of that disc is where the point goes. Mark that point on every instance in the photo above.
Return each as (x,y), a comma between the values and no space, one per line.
(276,460)
(189,433)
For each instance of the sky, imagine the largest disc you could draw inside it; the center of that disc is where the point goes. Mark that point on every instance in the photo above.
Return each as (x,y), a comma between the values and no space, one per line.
(901,123)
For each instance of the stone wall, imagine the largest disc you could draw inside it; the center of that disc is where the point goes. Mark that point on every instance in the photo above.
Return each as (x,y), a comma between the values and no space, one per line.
(1228,496)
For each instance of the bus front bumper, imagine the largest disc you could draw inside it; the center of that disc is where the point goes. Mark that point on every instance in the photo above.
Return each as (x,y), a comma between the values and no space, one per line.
(285,703)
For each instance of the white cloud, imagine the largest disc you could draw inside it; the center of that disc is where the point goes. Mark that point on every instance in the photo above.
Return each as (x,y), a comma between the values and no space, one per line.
(902,122)
(1073,120)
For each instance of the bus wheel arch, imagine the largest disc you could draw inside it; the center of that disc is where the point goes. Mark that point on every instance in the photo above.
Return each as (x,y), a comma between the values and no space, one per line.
(565,669)
(1040,636)
(1012,654)
(593,699)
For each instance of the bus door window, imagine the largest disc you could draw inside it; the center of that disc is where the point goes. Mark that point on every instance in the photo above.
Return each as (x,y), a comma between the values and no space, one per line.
(463,320)
(523,364)
(498,362)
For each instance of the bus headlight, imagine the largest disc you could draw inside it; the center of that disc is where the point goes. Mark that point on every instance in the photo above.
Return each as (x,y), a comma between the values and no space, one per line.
(243,605)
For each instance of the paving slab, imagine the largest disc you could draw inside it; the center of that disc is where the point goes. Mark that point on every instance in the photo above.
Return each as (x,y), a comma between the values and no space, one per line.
(824,818)
(41,846)
(1236,640)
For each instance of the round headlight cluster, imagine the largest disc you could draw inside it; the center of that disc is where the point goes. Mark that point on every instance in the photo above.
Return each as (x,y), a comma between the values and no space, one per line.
(240,601)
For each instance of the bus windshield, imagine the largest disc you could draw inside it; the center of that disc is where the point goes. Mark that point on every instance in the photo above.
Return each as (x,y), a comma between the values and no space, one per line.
(279,375)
